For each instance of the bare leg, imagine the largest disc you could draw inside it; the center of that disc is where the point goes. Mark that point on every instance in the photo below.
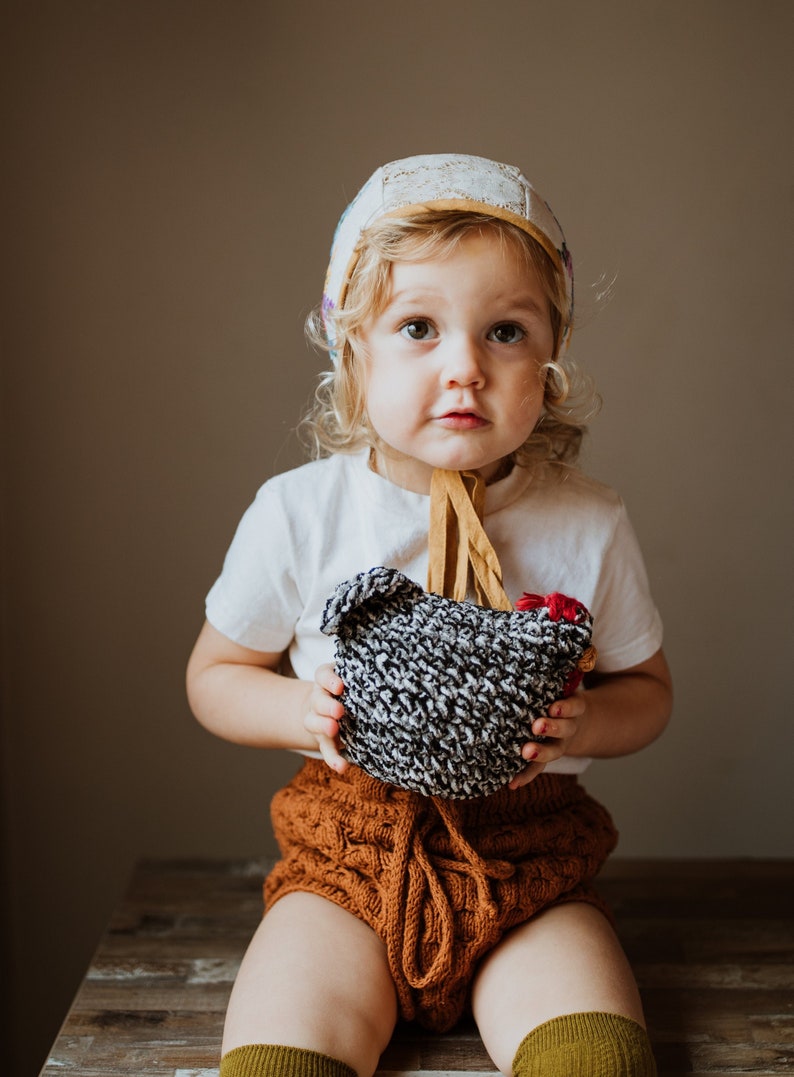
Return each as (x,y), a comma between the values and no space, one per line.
(314,976)
(567,960)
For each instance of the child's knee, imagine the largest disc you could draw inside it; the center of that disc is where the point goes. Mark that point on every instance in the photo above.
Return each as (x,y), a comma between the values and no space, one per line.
(586,1045)
(267,1060)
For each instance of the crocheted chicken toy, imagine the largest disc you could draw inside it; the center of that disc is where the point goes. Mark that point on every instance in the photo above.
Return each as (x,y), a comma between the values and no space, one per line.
(440,694)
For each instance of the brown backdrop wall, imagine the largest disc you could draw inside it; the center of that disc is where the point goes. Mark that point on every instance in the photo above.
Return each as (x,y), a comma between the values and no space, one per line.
(173,177)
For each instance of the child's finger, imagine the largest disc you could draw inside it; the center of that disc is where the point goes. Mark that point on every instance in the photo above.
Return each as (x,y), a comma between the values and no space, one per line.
(527,775)
(324,703)
(543,753)
(330,754)
(321,725)
(327,678)
(572,707)
(556,728)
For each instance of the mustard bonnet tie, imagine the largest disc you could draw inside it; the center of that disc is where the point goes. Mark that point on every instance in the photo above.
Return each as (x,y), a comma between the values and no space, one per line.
(460,554)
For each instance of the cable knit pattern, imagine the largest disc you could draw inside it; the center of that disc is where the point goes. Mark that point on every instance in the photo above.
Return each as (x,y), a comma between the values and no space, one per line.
(440,881)
(440,695)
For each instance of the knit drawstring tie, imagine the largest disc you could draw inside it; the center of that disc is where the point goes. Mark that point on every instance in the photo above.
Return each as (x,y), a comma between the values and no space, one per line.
(412,875)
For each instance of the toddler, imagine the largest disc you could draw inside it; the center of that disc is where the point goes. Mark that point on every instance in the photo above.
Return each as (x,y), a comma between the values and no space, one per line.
(447,309)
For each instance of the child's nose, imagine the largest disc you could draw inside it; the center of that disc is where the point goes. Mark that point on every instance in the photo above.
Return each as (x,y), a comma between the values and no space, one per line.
(464,363)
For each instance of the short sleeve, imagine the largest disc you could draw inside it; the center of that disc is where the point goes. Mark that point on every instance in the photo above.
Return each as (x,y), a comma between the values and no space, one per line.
(255,600)
(628,628)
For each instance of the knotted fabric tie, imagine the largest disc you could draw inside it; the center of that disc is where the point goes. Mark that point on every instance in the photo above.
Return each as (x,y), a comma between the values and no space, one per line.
(460,554)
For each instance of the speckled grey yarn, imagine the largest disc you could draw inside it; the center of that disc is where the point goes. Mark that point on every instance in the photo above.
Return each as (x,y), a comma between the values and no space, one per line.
(440,695)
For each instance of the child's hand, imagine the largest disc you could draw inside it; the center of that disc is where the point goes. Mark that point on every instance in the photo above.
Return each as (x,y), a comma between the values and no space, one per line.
(322,717)
(559,725)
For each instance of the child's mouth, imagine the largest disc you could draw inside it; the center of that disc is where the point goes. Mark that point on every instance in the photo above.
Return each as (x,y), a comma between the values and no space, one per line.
(462,420)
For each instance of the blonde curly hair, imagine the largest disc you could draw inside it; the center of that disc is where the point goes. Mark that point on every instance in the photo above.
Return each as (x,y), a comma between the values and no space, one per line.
(338,422)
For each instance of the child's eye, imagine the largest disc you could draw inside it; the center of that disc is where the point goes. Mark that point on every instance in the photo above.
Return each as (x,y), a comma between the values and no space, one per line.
(417,329)
(507,333)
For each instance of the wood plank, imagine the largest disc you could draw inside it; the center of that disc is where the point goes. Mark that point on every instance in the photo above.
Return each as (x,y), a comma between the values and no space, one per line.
(711,942)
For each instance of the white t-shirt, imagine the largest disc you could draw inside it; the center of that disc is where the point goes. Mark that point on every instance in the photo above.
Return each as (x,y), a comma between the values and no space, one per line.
(312,528)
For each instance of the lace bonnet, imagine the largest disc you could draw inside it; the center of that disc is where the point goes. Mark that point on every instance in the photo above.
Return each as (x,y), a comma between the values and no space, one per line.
(454,181)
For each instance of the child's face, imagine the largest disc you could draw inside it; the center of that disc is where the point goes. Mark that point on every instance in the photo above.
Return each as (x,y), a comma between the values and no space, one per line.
(453,362)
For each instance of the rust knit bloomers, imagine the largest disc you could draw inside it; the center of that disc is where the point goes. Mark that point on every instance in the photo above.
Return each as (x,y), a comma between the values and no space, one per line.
(439,881)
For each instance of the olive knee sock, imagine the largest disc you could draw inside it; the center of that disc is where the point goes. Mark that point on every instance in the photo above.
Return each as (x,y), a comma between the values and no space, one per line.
(586,1045)
(266,1060)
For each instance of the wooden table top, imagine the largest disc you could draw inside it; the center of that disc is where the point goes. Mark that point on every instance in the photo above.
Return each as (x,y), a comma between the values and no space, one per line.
(711,943)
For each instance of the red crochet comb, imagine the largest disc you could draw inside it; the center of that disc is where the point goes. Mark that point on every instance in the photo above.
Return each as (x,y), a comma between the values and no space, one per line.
(560,607)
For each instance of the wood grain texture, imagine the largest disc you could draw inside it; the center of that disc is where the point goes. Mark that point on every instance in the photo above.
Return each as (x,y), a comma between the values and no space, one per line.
(711,942)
